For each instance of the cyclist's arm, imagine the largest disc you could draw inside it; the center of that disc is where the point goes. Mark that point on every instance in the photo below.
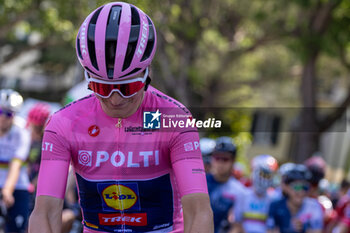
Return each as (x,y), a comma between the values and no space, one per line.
(273,231)
(197,213)
(11,181)
(188,168)
(20,155)
(52,180)
(47,215)
(314,231)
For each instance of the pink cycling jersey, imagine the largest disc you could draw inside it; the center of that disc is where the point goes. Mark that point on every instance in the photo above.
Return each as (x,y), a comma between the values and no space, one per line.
(129,178)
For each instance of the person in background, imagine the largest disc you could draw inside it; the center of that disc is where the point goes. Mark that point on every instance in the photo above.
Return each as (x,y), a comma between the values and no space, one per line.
(36,120)
(317,166)
(296,212)
(252,212)
(279,192)
(224,190)
(207,146)
(14,149)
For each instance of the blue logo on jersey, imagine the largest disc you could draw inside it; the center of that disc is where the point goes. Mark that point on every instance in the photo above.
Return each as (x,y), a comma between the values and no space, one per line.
(151,120)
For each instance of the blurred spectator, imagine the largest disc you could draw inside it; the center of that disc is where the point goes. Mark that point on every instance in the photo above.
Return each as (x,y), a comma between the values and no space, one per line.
(296,212)
(317,166)
(14,148)
(279,191)
(224,190)
(36,120)
(207,146)
(240,174)
(253,210)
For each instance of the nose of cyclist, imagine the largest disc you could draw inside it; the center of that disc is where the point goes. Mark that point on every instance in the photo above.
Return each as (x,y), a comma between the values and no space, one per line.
(117,100)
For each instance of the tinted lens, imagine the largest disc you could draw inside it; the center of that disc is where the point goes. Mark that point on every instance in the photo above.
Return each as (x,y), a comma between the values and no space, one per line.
(7,113)
(300,187)
(126,90)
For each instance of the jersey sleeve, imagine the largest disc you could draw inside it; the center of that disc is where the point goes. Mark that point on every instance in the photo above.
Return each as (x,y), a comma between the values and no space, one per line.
(271,222)
(23,148)
(317,216)
(238,209)
(54,165)
(187,163)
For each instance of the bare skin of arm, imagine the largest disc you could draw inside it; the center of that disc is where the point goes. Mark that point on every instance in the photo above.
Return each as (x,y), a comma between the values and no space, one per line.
(314,231)
(11,181)
(273,231)
(46,216)
(198,216)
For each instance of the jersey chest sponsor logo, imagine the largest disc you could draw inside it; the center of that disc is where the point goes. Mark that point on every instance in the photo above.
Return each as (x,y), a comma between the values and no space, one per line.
(94,131)
(119,158)
(139,219)
(119,196)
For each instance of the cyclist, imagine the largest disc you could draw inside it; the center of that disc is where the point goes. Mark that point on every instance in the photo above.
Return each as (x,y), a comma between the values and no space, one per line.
(207,146)
(36,120)
(253,210)
(131,177)
(317,166)
(14,148)
(224,190)
(296,212)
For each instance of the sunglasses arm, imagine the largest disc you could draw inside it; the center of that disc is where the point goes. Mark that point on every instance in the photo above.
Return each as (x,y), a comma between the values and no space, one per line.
(148,82)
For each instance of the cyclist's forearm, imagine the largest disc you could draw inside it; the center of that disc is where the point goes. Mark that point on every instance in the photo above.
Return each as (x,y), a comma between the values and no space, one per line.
(44,223)
(46,216)
(198,216)
(12,178)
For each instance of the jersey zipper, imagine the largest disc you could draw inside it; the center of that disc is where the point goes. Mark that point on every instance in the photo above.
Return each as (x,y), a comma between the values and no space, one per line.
(118,126)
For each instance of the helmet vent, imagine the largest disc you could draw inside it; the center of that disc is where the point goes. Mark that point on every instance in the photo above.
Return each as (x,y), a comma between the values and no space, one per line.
(111,38)
(91,41)
(132,72)
(78,47)
(135,20)
(150,42)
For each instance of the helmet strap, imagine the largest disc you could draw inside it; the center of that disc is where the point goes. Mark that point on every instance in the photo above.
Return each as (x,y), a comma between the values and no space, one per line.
(148,81)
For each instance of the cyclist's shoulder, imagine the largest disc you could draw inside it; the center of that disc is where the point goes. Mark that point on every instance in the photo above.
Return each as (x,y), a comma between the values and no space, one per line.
(236,186)
(67,114)
(156,98)
(278,203)
(77,105)
(312,203)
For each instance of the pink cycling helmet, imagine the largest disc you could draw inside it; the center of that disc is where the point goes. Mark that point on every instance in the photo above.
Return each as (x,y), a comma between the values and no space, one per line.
(116,41)
(38,114)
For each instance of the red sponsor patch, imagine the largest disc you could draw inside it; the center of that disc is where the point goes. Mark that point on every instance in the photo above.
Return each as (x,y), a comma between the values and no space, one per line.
(94,130)
(123,219)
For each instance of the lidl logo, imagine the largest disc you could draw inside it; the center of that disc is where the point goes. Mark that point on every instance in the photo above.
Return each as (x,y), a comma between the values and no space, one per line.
(119,196)
(151,120)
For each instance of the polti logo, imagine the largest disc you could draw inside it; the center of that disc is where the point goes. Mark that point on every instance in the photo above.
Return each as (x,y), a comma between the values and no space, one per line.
(191,146)
(151,120)
(85,157)
(119,196)
(139,219)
